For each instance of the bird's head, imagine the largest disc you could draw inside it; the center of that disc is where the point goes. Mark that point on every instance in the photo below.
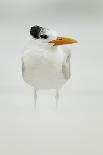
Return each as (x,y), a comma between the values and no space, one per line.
(49,36)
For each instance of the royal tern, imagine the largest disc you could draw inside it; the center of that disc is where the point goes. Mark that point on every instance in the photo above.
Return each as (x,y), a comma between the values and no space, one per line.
(46,60)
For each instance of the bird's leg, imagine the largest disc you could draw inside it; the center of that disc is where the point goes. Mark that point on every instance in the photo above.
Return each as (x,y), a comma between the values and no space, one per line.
(57,98)
(35,98)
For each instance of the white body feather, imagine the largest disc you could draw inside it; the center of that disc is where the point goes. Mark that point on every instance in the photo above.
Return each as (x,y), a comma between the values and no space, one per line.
(45,66)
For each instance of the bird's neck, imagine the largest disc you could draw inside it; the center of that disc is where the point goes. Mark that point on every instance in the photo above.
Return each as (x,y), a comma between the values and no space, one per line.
(43,45)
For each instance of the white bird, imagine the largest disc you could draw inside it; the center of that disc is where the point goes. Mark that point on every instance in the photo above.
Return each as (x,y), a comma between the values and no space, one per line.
(46,60)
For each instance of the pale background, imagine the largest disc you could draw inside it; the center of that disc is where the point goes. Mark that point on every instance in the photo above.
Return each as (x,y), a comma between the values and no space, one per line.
(76,128)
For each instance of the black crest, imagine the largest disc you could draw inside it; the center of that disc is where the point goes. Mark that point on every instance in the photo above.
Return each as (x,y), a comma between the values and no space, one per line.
(38,32)
(35,31)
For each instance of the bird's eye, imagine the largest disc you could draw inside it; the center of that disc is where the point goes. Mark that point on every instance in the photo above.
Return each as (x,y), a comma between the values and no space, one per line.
(44,36)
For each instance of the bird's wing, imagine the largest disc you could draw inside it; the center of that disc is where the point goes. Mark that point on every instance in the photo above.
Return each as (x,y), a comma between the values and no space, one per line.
(23,66)
(66,63)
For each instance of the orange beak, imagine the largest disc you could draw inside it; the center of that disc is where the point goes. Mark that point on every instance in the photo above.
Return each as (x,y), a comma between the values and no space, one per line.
(62,41)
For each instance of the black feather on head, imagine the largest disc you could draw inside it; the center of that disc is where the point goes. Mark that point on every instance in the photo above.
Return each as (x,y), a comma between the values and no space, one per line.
(35,31)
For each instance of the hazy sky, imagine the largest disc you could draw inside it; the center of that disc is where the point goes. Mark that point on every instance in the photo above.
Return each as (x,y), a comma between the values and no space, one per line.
(46,5)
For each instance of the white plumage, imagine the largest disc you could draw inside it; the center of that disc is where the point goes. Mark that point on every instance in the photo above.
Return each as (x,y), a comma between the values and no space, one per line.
(45,66)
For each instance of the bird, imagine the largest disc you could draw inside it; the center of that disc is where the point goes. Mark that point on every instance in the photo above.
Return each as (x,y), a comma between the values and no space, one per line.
(46,60)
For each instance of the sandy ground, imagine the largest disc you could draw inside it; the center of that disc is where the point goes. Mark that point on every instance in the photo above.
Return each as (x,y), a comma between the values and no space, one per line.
(75,128)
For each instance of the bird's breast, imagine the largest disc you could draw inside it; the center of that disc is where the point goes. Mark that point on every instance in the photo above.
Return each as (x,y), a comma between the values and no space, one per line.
(43,69)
